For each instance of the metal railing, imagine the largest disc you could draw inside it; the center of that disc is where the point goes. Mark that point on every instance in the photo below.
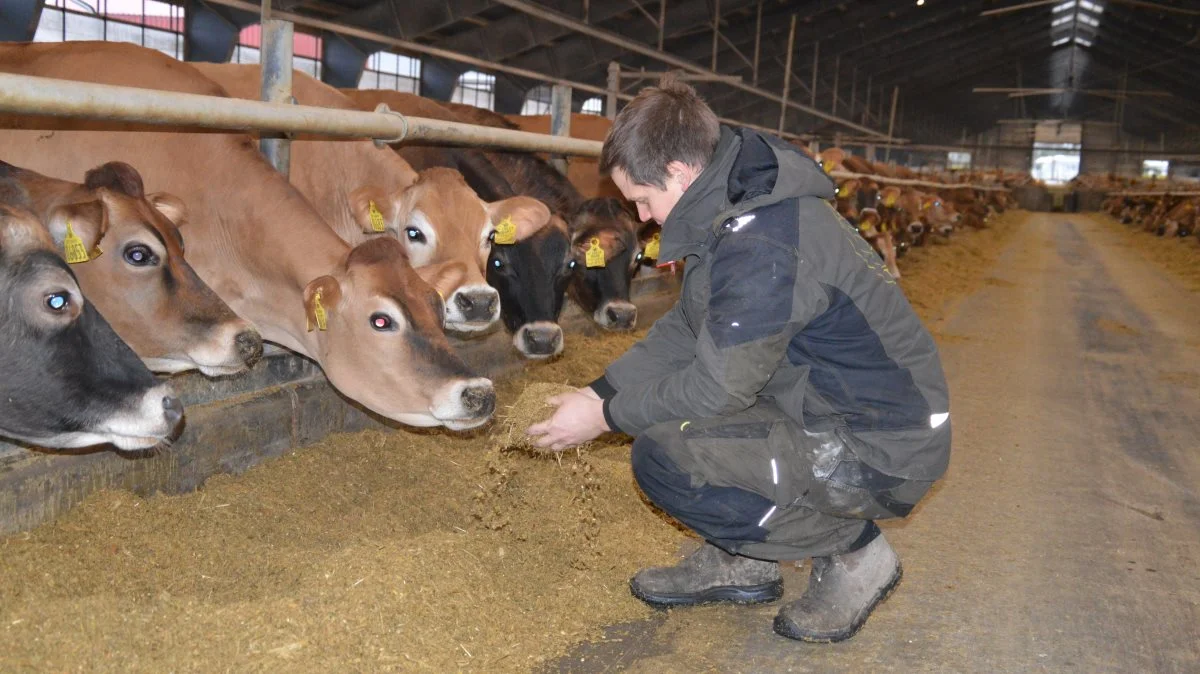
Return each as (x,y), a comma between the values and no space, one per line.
(24,94)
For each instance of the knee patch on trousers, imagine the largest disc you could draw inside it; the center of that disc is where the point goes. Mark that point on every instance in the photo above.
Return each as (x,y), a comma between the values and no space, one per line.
(720,514)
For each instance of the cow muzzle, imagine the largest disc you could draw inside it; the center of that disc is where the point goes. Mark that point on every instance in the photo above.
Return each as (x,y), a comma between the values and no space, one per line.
(540,339)
(473,308)
(152,419)
(616,315)
(464,404)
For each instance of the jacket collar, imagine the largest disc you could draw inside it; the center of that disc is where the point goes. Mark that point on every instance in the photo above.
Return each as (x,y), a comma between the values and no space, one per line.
(692,220)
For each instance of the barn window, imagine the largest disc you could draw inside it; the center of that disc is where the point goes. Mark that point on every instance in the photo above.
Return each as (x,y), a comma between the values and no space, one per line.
(157,25)
(593,106)
(537,101)
(386,70)
(958,161)
(475,88)
(1155,168)
(306,50)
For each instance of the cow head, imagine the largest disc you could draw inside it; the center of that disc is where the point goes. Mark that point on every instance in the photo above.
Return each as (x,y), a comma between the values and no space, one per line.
(532,276)
(137,276)
(69,380)
(376,328)
(440,220)
(607,253)
(128,255)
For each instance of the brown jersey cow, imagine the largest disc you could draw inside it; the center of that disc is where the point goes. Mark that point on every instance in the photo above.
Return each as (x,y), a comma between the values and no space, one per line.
(363,191)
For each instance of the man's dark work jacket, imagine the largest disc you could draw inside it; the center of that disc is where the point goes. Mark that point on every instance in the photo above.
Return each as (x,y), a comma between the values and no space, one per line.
(783,300)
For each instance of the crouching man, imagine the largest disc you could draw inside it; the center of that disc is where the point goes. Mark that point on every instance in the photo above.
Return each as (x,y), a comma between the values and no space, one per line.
(788,400)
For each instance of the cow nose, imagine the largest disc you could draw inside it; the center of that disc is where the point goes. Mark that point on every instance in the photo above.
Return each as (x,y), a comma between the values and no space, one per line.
(479,400)
(249,346)
(621,317)
(543,341)
(477,305)
(172,410)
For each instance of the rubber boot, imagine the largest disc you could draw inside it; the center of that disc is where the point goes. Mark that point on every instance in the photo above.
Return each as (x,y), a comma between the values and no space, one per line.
(709,575)
(842,592)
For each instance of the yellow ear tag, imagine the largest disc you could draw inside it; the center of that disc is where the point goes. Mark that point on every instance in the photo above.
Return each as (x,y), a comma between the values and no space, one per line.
(319,312)
(506,232)
(96,252)
(595,255)
(827,166)
(376,217)
(73,247)
(890,200)
(867,229)
(652,247)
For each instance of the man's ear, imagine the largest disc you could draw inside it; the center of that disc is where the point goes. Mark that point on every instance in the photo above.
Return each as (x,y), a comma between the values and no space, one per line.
(682,172)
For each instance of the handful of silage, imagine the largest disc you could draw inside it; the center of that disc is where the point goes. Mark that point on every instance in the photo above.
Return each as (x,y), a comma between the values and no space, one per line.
(529,408)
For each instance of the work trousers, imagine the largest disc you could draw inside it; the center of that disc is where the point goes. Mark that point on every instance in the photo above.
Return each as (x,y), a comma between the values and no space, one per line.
(758,484)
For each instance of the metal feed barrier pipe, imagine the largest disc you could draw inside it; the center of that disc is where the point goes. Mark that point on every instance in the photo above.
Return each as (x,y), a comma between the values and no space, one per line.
(24,94)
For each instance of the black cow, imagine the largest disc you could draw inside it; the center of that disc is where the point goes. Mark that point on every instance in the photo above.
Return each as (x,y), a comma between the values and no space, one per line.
(68,380)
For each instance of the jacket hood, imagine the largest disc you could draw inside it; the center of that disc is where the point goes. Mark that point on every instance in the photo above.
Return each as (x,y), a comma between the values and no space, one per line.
(748,170)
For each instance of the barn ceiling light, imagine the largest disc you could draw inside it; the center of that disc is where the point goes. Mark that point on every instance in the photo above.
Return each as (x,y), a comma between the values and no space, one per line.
(1060,41)
(1064,7)
(1084,18)
(1082,42)
(1091,6)
(920,3)
(1060,21)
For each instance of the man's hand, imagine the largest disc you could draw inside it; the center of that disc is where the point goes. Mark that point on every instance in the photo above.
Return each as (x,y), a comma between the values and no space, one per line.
(579,418)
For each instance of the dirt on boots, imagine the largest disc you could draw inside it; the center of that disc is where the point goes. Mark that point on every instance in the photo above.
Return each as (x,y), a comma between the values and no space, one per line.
(707,576)
(842,592)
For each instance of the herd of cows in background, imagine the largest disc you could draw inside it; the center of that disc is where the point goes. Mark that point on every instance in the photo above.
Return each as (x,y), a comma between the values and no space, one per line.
(362,261)
(1168,210)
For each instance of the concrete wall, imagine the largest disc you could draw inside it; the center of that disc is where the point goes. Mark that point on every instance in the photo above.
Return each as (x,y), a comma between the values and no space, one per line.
(235,423)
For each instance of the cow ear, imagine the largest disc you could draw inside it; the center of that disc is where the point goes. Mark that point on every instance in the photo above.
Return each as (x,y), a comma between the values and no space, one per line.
(321,298)
(77,228)
(373,209)
(527,214)
(170,206)
(117,176)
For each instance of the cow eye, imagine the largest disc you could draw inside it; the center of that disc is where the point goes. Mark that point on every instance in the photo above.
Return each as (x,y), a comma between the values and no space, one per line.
(59,301)
(382,322)
(571,264)
(492,237)
(639,256)
(497,263)
(140,255)
(414,234)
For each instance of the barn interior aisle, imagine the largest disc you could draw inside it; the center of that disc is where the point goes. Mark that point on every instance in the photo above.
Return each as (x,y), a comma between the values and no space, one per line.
(1066,535)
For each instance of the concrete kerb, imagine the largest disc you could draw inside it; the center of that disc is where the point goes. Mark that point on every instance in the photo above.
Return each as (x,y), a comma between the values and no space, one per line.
(235,423)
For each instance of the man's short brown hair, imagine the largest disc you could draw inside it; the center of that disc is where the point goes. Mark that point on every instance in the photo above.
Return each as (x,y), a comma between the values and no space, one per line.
(660,125)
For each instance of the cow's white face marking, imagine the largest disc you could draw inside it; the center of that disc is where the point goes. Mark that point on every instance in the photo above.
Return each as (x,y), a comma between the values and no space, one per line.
(419,238)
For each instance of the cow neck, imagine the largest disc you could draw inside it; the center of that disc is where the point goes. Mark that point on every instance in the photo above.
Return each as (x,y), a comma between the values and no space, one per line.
(38,193)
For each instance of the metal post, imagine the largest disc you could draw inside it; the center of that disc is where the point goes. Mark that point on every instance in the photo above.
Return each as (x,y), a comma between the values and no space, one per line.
(662,22)
(757,41)
(887,154)
(560,121)
(787,74)
(816,58)
(871,152)
(614,89)
(837,66)
(853,87)
(716,32)
(276,82)
(867,104)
